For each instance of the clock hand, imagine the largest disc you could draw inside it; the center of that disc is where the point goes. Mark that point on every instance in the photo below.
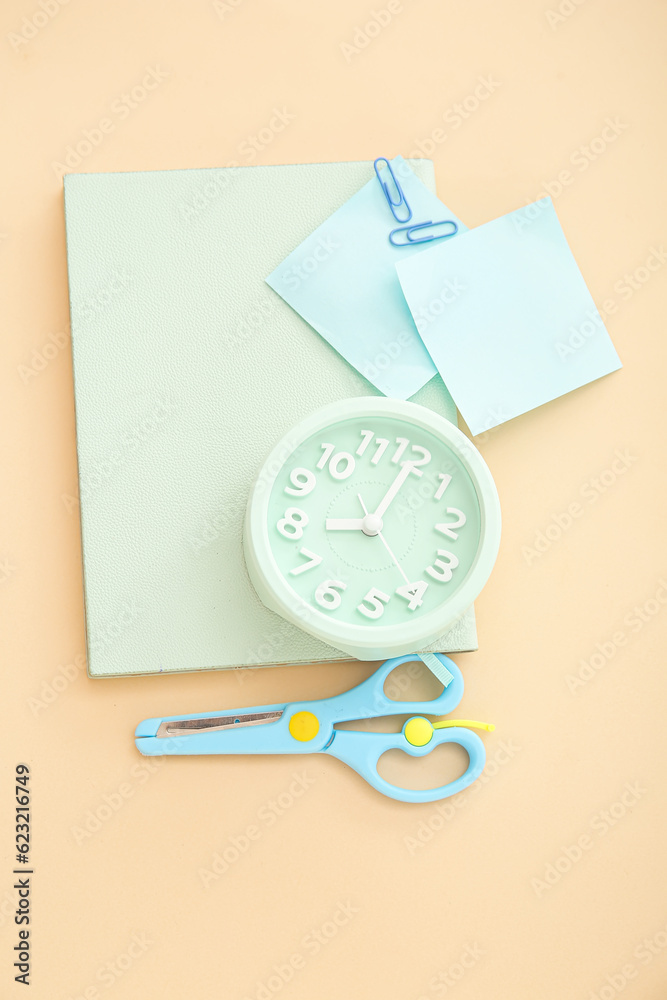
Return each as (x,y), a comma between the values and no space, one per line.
(406,469)
(344,523)
(384,542)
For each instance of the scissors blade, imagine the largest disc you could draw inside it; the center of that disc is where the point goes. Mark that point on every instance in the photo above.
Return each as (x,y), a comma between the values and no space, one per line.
(188,727)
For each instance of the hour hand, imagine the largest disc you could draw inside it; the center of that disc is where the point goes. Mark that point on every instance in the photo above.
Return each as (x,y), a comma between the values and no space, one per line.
(344,523)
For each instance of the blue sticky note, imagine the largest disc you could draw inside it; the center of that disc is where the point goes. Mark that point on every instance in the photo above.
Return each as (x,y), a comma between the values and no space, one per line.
(506,316)
(342,280)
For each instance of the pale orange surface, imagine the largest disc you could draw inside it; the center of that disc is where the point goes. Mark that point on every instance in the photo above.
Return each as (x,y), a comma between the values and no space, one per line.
(547,880)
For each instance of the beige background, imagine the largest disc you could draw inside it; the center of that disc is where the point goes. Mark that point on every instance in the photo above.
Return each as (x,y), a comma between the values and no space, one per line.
(449,903)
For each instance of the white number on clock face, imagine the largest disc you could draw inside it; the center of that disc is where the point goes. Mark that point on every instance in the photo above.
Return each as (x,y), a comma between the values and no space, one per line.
(413,593)
(341,465)
(313,560)
(327,594)
(303,482)
(293,523)
(445,480)
(426,455)
(447,528)
(381,445)
(443,567)
(377,599)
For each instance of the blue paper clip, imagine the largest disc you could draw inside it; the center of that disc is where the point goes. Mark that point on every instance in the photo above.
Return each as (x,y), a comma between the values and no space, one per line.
(402,200)
(408,230)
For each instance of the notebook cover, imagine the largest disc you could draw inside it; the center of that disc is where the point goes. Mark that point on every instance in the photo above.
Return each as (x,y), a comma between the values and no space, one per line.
(187,369)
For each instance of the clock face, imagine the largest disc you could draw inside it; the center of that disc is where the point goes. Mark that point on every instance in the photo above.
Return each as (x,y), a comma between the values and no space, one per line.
(373,521)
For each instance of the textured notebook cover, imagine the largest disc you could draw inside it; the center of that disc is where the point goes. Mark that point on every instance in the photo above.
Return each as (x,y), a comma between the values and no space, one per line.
(187,369)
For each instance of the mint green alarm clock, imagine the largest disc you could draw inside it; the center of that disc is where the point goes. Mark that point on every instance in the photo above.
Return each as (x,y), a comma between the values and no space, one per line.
(373,525)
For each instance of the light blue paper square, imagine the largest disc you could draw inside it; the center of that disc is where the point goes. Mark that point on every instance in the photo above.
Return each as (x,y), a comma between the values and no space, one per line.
(518,326)
(342,280)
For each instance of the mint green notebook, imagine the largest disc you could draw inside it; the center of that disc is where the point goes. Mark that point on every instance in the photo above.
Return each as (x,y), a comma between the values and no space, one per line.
(187,368)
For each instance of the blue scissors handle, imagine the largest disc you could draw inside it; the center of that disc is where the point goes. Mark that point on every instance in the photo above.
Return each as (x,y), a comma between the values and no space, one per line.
(368,700)
(362,751)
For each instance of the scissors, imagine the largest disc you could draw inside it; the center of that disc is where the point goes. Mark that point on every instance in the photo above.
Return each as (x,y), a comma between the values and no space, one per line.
(308,727)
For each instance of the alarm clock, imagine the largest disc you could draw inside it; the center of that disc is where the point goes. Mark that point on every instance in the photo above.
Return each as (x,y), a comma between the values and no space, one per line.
(373,525)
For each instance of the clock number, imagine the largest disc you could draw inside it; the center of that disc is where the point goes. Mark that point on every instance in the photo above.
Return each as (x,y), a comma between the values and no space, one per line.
(342,458)
(313,560)
(327,595)
(382,445)
(426,455)
(368,437)
(292,524)
(413,593)
(443,568)
(303,482)
(447,528)
(398,454)
(337,460)
(327,449)
(377,599)
(445,480)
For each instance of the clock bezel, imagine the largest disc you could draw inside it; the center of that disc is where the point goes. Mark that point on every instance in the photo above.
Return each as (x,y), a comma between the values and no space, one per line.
(371,641)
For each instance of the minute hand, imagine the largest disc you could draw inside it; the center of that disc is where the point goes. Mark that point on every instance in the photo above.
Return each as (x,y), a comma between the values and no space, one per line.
(406,469)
